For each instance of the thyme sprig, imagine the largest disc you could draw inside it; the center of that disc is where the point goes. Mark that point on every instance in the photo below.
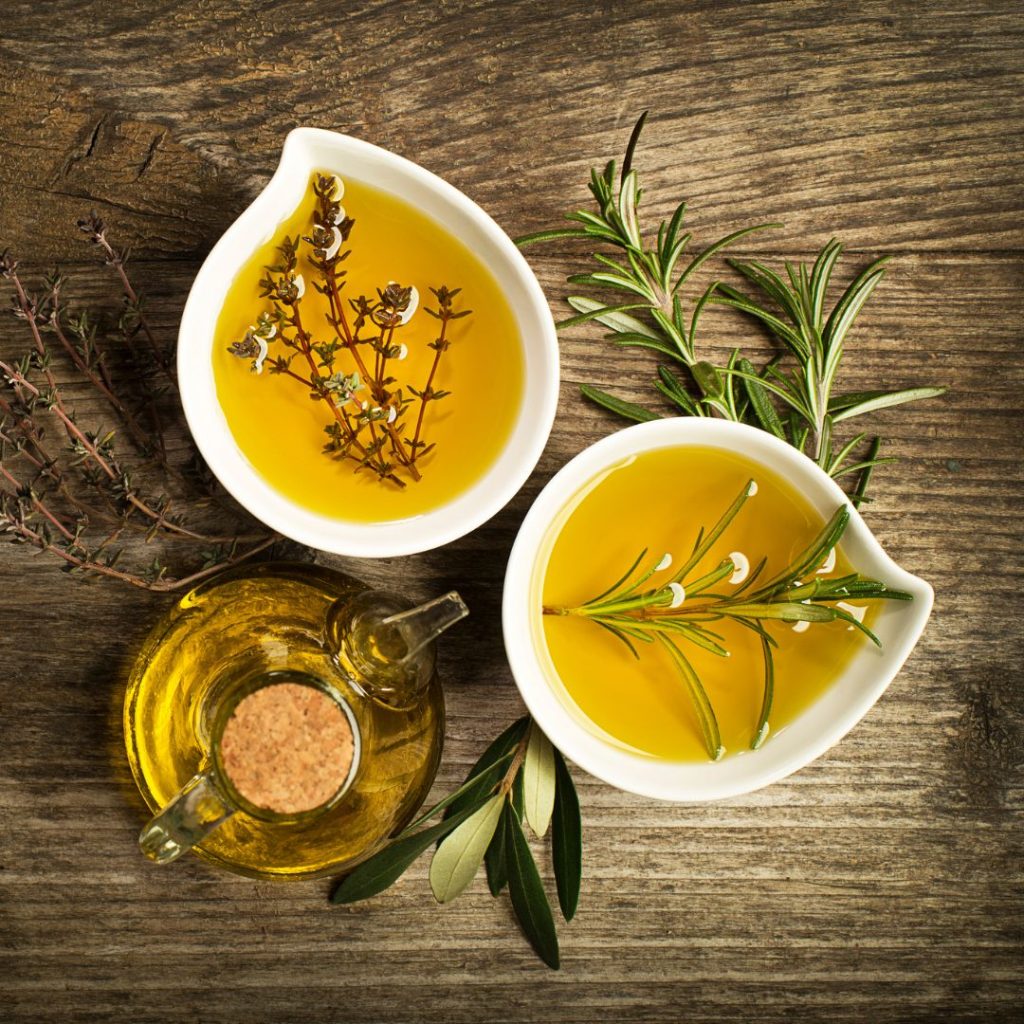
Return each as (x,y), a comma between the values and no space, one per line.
(367,402)
(793,394)
(678,609)
(75,494)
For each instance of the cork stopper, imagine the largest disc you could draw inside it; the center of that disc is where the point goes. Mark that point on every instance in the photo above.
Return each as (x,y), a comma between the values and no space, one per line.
(287,748)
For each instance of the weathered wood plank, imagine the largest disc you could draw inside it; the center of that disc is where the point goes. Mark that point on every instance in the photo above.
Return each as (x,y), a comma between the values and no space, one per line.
(892,115)
(885,882)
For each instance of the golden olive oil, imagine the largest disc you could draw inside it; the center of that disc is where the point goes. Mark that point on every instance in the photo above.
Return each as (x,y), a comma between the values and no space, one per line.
(281,432)
(250,623)
(658,500)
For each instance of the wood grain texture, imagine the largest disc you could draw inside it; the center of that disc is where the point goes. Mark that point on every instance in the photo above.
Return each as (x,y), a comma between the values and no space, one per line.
(885,882)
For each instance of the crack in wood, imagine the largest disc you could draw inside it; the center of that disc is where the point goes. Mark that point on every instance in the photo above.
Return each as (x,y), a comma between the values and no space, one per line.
(151,153)
(84,152)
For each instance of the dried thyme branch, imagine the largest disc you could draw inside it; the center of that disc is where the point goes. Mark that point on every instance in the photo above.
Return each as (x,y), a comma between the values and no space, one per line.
(677,611)
(95,449)
(365,399)
(445,314)
(90,368)
(95,231)
(77,558)
(43,491)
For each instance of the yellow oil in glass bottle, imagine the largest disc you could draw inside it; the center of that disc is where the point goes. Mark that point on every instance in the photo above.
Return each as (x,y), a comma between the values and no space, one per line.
(658,500)
(281,432)
(268,632)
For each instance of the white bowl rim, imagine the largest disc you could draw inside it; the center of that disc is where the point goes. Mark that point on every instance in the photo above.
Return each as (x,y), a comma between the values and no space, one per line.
(782,753)
(306,149)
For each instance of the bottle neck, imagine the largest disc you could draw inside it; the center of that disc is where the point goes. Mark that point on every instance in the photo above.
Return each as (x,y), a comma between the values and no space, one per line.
(388,645)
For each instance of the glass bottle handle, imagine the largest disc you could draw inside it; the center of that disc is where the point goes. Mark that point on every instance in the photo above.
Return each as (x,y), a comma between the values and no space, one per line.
(189,818)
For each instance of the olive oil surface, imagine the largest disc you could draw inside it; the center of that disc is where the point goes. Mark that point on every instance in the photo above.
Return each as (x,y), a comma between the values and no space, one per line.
(658,500)
(281,432)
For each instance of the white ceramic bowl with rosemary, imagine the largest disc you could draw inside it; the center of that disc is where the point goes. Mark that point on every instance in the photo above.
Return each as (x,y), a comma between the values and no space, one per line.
(306,150)
(898,625)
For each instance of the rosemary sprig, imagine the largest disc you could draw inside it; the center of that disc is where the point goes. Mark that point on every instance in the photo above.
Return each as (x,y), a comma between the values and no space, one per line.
(678,609)
(648,277)
(815,341)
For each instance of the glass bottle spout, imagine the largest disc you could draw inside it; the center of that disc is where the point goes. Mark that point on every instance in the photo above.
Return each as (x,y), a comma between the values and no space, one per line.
(388,646)
(422,625)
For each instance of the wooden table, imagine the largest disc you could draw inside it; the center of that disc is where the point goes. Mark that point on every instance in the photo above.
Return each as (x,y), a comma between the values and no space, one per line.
(883,882)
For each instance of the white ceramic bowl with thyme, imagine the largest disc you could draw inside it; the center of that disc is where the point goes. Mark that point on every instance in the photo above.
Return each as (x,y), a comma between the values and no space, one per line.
(306,150)
(898,624)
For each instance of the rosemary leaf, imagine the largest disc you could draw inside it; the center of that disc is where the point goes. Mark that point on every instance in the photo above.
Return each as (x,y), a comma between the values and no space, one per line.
(602,314)
(767,416)
(707,540)
(548,236)
(787,611)
(629,410)
(872,401)
(615,319)
(705,712)
(761,732)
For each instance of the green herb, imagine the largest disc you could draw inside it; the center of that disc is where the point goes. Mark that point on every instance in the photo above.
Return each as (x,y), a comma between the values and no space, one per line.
(539,781)
(792,395)
(73,491)
(484,823)
(566,840)
(366,401)
(677,610)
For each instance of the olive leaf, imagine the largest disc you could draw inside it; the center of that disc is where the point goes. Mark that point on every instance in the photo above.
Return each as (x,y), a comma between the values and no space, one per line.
(529,900)
(539,780)
(495,860)
(373,876)
(484,822)
(566,840)
(457,860)
(490,765)
(470,792)
(517,797)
